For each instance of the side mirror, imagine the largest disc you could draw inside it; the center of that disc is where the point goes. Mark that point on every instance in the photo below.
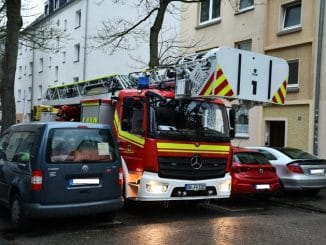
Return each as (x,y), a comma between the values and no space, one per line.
(232,122)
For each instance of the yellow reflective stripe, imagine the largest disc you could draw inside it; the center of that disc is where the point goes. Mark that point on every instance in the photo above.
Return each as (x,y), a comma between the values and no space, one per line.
(173,147)
(131,138)
(220,79)
(283,90)
(90,103)
(277,98)
(209,89)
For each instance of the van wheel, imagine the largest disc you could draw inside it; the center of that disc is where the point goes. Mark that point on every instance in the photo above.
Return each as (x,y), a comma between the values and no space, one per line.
(17,214)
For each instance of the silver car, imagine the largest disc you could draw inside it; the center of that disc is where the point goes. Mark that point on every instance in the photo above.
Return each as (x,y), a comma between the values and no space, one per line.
(297,169)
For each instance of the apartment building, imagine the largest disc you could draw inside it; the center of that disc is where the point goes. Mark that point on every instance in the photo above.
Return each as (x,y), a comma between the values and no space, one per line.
(71,54)
(282,28)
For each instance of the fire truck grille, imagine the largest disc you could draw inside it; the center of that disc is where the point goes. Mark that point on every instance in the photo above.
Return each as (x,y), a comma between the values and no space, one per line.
(190,168)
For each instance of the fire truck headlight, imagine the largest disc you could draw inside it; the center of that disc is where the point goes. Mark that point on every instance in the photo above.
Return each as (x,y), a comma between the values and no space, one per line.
(225,186)
(156,187)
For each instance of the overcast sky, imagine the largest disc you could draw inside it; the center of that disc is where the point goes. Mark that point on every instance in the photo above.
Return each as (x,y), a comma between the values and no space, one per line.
(31,9)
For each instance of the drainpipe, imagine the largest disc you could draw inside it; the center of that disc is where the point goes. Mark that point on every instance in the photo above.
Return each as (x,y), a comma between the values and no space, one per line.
(33,83)
(85,41)
(318,69)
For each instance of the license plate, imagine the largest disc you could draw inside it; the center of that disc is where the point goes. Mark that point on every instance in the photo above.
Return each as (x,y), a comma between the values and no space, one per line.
(195,187)
(84,181)
(262,186)
(317,171)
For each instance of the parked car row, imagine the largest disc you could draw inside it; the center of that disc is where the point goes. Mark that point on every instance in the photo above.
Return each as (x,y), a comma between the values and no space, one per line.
(268,170)
(71,168)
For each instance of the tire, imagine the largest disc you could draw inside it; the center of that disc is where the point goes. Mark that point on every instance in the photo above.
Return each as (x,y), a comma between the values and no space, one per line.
(17,214)
(281,190)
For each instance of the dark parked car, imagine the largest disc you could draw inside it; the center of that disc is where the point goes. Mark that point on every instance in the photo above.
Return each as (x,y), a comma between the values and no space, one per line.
(59,168)
(297,169)
(252,173)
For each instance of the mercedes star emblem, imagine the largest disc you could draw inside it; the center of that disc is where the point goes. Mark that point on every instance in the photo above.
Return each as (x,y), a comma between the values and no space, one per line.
(196,162)
(85,168)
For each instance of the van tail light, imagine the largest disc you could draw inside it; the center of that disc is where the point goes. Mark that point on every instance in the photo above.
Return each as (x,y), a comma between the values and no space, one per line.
(120,181)
(295,168)
(37,180)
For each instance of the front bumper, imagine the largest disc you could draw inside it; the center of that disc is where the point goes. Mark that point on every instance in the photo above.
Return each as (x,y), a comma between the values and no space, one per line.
(174,189)
(38,210)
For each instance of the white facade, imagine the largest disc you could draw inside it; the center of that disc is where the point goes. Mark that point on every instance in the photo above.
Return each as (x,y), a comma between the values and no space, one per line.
(75,59)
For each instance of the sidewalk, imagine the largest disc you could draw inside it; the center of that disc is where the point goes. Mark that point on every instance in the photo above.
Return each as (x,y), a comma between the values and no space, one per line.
(315,203)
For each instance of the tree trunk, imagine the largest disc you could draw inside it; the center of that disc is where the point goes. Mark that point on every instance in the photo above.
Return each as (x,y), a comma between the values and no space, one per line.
(14,23)
(154,32)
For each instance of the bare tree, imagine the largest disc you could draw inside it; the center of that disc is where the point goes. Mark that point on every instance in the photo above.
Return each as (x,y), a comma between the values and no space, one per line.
(116,34)
(13,25)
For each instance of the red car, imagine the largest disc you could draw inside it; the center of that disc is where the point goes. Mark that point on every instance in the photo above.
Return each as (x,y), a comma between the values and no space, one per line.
(252,173)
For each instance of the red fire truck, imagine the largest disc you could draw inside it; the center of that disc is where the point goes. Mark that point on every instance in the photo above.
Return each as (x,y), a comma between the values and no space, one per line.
(175,142)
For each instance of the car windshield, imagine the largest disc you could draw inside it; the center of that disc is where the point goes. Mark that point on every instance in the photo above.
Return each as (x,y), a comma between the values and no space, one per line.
(80,145)
(195,119)
(296,153)
(250,158)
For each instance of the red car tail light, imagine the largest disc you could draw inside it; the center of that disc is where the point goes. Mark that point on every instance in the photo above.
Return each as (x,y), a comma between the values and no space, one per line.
(120,181)
(239,169)
(295,168)
(37,180)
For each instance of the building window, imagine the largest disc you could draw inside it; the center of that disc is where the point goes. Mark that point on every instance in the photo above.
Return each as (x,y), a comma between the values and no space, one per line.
(76,79)
(56,4)
(64,57)
(65,25)
(30,68)
(241,122)
(56,73)
(29,95)
(244,45)
(41,65)
(76,52)
(46,9)
(20,71)
(291,15)
(58,22)
(19,95)
(210,11)
(78,19)
(39,93)
(57,44)
(246,4)
(50,62)
(25,70)
(293,73)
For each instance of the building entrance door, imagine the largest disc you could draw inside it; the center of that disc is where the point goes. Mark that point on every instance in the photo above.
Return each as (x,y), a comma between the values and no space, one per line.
(275,133)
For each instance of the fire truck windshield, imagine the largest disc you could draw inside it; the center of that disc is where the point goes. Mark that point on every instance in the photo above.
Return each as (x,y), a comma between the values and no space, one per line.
(183,119)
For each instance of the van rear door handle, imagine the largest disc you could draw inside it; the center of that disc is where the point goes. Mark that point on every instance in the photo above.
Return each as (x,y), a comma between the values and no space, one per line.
(22,165)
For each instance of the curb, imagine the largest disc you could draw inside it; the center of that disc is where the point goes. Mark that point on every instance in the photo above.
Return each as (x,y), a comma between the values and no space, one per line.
(299,205)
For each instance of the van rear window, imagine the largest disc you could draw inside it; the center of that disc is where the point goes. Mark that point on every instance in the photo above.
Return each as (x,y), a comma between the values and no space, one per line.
(75,145)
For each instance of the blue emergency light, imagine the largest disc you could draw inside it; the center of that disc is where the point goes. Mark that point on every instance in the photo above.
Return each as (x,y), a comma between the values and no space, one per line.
(143,82)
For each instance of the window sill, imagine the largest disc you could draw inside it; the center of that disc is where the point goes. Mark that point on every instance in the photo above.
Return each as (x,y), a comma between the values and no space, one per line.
(292,89)
(245,10)
(76,27)
(210,23)
(241,137)
(76,61)
(289,31)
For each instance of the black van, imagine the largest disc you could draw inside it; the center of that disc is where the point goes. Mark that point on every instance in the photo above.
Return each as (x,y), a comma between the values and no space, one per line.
(55,169)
